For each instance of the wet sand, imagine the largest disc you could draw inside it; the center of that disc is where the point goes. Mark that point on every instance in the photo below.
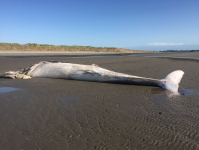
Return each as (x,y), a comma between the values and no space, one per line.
(63,114)
(23,54)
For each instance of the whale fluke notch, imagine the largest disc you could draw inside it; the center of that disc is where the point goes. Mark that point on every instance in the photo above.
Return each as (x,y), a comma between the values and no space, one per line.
(172,80)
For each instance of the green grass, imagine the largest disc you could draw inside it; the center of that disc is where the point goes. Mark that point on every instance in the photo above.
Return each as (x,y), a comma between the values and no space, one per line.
(47,47)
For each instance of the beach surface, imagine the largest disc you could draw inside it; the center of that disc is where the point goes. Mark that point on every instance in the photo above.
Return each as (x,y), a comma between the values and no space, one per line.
(43,113)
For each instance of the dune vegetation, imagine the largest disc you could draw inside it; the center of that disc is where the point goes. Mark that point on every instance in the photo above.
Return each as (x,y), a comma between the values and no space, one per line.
(74,48)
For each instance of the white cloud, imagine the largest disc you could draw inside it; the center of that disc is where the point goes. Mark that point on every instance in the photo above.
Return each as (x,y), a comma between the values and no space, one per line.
(165,44)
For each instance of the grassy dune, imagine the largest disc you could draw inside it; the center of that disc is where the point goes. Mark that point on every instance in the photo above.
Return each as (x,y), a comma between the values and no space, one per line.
(74,48)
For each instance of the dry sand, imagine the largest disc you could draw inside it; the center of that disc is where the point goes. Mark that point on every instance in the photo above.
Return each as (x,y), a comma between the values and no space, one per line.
(51,53)
(66,114)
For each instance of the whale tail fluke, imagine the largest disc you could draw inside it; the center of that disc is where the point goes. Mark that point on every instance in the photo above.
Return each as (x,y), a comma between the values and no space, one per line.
(172,80)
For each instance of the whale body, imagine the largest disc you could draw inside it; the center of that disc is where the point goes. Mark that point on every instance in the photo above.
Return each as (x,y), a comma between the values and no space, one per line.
(94,73)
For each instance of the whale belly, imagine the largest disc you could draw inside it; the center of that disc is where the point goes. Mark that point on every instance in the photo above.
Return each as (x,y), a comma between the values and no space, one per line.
(68,71)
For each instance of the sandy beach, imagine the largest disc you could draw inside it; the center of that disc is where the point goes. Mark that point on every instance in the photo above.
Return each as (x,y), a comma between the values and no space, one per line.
(50,114)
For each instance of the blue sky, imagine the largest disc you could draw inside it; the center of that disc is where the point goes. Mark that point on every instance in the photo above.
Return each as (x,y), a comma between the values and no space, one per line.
(134,24)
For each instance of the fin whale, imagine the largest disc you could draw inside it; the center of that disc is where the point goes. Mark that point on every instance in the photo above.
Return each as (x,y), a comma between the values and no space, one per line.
(93,73)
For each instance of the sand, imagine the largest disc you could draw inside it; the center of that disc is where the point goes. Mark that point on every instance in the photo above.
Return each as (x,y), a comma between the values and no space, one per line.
(51,114)
(53,54)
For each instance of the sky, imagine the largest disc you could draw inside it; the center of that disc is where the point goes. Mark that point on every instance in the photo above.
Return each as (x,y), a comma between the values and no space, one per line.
(130,24)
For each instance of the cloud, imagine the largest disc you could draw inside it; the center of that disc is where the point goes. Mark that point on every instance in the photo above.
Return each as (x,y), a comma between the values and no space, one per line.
(165,44)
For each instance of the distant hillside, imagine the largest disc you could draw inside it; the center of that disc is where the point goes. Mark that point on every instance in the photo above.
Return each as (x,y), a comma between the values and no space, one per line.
(74,48)
(180,51)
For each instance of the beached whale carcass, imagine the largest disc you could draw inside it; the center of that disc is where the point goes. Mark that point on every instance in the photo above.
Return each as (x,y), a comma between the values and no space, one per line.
(93,73)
